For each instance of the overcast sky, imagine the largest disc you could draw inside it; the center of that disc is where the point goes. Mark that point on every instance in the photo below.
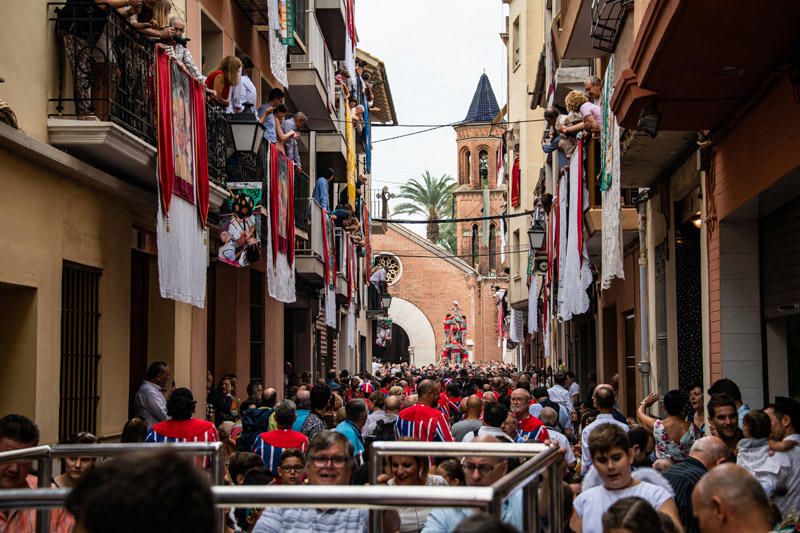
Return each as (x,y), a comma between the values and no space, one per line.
(434,52)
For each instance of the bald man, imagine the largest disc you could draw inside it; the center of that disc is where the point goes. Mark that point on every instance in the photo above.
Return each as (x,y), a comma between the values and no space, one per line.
(529,427)
(423,421)
(378,419)
(303,402)
(472,421)
(706,453)
(478,472)
(729,499)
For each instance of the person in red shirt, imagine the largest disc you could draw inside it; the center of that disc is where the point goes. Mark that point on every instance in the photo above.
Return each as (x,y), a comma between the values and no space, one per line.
(423,421)
(271,444)
(529,428)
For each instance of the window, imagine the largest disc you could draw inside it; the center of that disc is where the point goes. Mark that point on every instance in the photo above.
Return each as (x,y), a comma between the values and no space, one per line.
(483,166)
(492,248)
(515,42)
(394,268)
(475,246)
(466,166)
(80,349)
(256,325)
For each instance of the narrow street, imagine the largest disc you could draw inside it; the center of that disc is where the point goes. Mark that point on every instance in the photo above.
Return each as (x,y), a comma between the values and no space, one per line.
(307,266)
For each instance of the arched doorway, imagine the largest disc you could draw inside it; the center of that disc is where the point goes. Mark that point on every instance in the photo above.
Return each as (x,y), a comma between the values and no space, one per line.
(415,325)
(397,350)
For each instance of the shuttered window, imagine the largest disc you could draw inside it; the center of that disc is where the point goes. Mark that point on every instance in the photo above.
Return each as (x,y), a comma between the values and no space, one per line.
(80,349)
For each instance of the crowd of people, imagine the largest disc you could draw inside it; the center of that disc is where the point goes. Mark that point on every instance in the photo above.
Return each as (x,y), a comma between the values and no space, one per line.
(721,466)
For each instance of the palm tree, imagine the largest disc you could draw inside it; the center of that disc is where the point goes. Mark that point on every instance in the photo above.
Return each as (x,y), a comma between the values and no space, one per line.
(430,198)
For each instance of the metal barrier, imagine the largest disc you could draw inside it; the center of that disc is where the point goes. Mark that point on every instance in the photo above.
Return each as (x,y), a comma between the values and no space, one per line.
(44,455)
(525,476)
(374,497)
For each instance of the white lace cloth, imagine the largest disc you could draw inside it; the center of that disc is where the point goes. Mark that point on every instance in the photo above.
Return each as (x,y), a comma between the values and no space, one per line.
(576,276)
(182,253)
(611,258)
(277,50)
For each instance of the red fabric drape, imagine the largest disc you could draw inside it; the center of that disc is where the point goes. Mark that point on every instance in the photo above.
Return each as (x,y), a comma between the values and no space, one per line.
(515,192)
(166,158)
(579,155)
(283,245)
(367,245)
(290,214)
(325,250)
(273,200)
(201,149)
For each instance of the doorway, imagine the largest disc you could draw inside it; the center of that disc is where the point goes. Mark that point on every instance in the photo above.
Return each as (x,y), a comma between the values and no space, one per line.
(396,351)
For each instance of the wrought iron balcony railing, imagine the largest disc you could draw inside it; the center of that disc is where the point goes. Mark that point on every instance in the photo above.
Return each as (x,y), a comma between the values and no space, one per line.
(108,66)
(217,133)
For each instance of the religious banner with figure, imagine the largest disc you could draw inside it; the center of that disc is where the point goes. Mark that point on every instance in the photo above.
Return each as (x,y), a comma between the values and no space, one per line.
(329,251)
(183,187)
(240,224)
(350,141)
(279,237)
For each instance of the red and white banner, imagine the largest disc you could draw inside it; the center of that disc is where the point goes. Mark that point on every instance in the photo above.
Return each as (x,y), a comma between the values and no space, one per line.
(182,183)
(280,248)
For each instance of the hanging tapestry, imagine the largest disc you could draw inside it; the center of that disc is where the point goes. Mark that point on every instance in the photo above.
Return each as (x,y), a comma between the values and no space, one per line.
(611,255)
(279,236)
(367,224)
(350,141)
(240,224)
(183,187)
(329,251)
(286,11)
(515,185)
(517,328)
(277,49)
(500,162)
(351,325)
(577,275)
(281,204)
(533,305)
(367,137)
(503,229)
(383,333)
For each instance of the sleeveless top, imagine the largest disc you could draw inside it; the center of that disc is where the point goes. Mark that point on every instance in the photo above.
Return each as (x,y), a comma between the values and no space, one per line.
(666,448)
(225,87)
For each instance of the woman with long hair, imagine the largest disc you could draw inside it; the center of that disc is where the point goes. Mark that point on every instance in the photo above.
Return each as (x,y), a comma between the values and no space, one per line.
(226,404)
(227,74)
(697,411)
(76,467)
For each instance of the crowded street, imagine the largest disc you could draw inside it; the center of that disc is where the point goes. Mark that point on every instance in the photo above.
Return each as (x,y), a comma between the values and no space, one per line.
(372,266)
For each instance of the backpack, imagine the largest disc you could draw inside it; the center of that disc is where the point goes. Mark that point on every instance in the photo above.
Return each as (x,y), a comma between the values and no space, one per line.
(385,430)
(255,421)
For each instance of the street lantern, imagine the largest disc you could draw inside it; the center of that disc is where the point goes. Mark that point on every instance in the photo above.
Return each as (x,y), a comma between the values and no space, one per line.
(536,234)
(247,131)
(386,300)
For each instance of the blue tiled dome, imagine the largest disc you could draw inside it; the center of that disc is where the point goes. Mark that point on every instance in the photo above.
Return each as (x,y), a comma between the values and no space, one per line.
(484,105)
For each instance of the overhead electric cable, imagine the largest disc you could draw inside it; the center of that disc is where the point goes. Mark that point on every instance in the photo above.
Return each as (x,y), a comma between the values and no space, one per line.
(446,220)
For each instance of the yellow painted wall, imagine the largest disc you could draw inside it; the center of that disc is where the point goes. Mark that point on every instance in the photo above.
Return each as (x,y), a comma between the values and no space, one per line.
(47,219)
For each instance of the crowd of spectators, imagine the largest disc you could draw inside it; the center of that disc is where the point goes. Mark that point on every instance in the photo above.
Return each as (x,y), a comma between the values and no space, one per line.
(736,471)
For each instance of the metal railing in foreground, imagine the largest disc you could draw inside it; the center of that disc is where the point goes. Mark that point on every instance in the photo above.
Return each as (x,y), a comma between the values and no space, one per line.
(44,456)
(526,476)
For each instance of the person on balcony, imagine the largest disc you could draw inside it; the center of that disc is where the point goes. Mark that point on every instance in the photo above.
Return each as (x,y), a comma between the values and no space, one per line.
(177,48)
(275,98)
(281,137)
(152,19)
(223,78)
(290,126)
(80,28)
(321,192)
(245,91)
(569,125)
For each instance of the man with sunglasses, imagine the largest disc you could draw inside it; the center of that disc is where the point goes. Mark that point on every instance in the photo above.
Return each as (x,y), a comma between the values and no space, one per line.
(329,461)
(478,472)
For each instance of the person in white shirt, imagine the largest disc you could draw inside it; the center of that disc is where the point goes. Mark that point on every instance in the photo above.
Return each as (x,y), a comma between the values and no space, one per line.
(612,456)
(243,92)
(604,398)
(559,394)
(784,416)
(573,387)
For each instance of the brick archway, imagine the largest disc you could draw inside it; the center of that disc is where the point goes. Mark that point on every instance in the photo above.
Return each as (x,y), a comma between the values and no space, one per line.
(418,328)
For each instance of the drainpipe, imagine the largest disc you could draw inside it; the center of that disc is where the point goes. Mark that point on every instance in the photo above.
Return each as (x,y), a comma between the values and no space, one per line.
(644,364)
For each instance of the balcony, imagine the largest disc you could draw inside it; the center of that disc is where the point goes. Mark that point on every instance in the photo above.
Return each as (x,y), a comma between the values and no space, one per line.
(644,158)
(309,250)
(570,76)
(572,26)
(332,18)
(311,79)
(103,112)
(698,64)
(629,218)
